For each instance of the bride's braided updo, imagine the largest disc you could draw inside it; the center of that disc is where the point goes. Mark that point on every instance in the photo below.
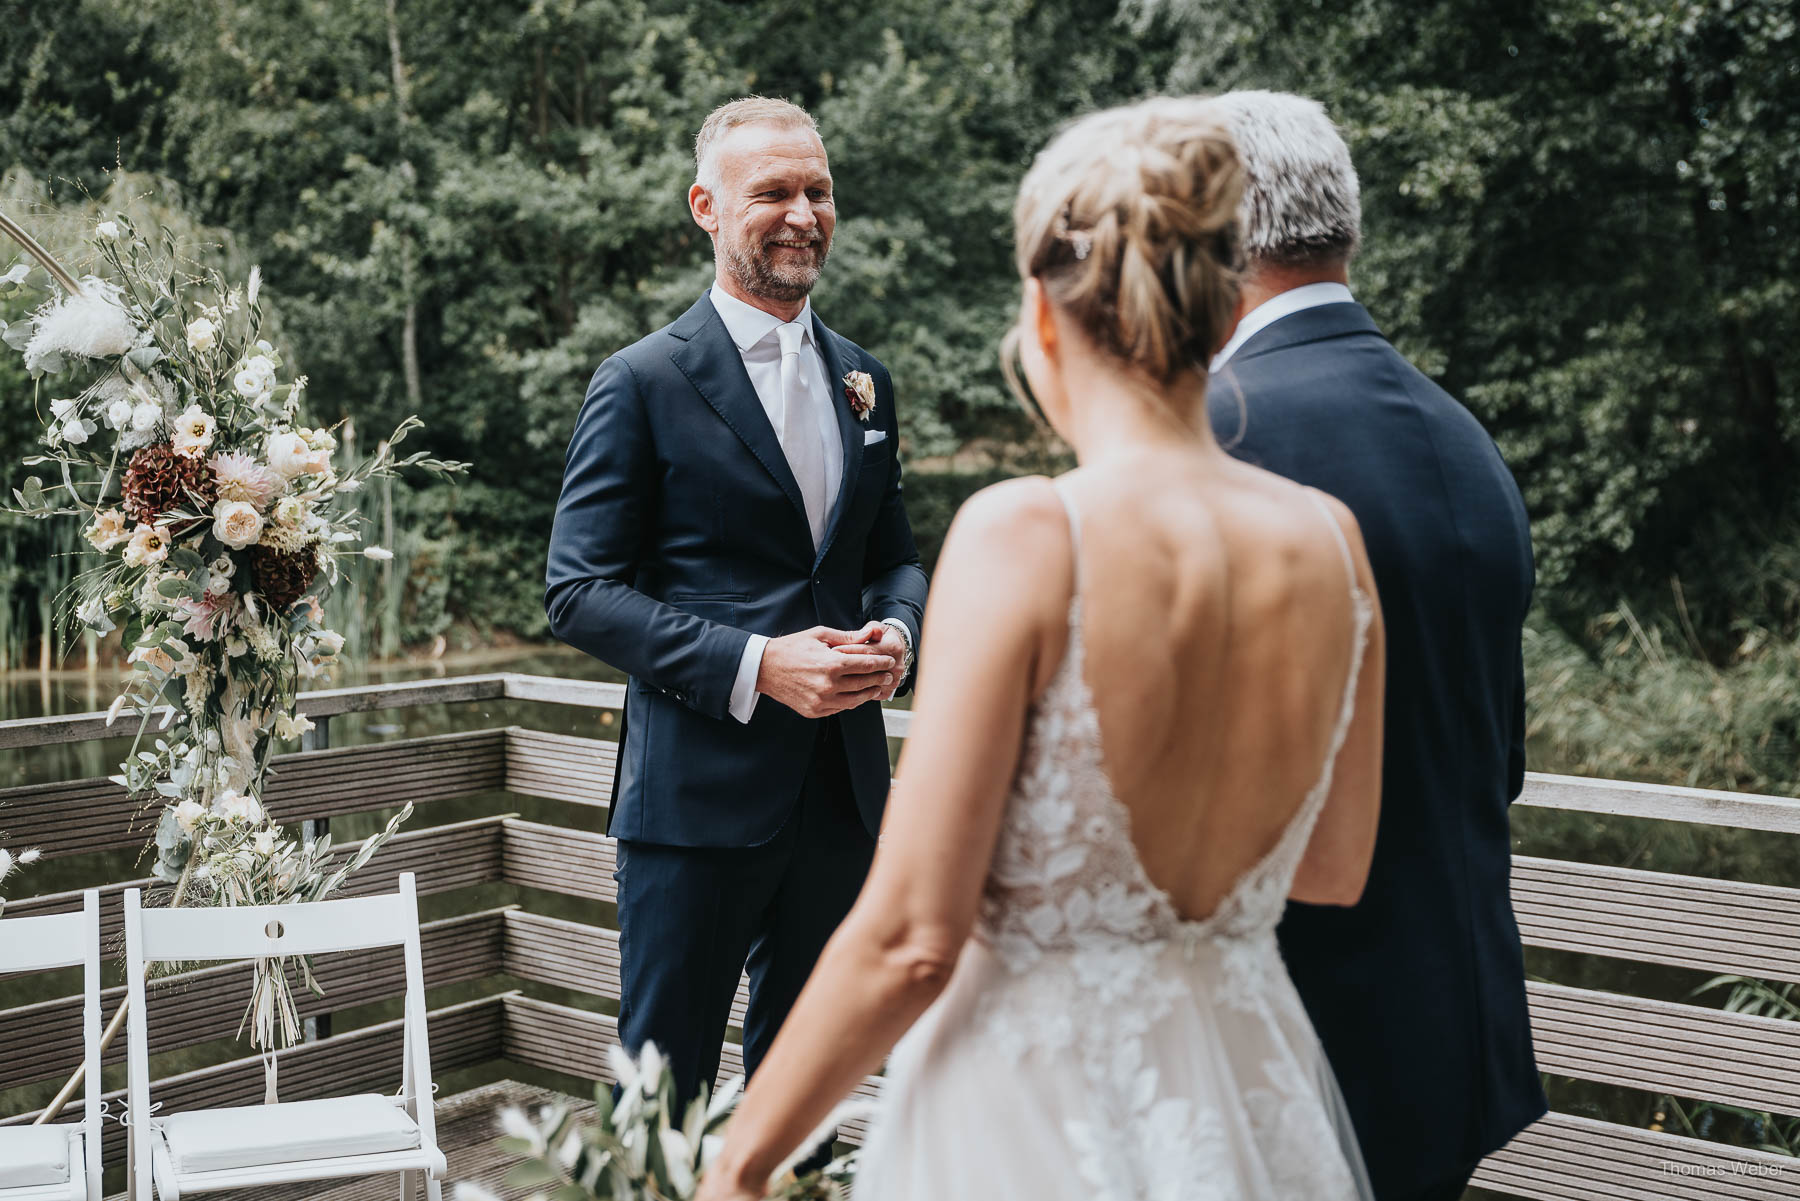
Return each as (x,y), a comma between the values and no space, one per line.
(1129,219)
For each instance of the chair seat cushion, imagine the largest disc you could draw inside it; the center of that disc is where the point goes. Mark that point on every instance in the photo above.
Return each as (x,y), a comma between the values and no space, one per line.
(217,1140)
(34,1155)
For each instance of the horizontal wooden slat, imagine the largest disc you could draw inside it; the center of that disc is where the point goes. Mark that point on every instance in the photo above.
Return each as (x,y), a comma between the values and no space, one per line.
(327,702)
(1664,1047)
(85,816)
(559,766)
(45,1040)
(442,857)
(564,954)
(587,694)
(1656,917)
(576,863)
(1664,802)
(359,1061)
(1566,1158)
(574,1041)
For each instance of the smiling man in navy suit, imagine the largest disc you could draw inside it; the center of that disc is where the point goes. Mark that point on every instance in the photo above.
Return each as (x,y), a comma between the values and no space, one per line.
(1418,990)
(731,535)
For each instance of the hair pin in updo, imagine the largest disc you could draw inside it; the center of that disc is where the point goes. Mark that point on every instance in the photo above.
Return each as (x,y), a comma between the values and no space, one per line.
(1081,241)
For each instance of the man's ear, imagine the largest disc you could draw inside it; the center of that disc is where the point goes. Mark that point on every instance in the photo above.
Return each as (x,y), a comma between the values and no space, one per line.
(700,204)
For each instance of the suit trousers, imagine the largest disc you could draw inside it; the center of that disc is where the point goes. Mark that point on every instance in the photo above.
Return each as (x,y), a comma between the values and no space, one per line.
(692,918)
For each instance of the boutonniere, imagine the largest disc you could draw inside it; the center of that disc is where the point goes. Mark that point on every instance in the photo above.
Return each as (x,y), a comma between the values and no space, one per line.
(859,390)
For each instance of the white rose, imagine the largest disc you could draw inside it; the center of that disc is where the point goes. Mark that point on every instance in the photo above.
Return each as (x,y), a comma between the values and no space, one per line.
(62,410)
(74,431)
(107,229)
(290,510)
(236,523)
(236,806)
(288,454)
(222,567)
(329,642)
(118,414)
(202,334)
(188,815)
(145,416)
(261,364)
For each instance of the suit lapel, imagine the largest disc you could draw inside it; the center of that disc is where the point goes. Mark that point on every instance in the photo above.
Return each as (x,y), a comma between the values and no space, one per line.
(711,362)
(849,428)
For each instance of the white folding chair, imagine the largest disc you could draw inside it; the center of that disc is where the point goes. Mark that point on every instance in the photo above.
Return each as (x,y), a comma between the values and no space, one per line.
(62,1162)
(205,1150)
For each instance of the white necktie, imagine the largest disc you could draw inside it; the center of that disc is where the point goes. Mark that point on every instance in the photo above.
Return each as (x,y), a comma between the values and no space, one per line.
(800,429)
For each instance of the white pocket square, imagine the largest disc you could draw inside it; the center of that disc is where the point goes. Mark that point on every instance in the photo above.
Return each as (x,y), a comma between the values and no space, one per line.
(871,437)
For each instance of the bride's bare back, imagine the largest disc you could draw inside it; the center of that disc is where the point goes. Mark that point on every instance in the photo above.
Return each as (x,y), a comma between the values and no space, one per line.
(1218,621)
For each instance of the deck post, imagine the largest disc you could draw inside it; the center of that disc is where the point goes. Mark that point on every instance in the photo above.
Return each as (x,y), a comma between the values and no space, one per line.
(318,738)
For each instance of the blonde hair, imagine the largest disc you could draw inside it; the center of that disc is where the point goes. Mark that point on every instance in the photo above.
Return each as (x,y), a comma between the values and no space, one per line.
(751,110)
(1128,219)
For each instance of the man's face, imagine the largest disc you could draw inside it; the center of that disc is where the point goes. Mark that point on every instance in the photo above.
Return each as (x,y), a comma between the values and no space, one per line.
(773,215)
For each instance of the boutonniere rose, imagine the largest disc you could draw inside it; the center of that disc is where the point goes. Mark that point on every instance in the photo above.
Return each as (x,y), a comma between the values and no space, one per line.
(859,390)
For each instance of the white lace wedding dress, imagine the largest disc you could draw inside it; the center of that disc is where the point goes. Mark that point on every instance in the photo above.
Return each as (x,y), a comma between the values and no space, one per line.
(1094,1045)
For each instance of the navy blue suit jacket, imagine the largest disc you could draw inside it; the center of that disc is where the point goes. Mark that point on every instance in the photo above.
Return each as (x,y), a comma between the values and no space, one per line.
(680,532)
(1418,991)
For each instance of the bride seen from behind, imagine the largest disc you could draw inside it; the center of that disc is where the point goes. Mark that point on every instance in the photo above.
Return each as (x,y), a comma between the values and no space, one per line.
(1149,711)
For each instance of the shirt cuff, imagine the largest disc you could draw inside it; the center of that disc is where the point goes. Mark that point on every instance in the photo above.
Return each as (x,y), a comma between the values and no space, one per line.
(743,691)
(906,636)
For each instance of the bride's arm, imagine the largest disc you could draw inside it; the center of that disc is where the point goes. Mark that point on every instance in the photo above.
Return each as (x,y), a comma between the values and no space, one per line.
(1336,864)
(1002,586)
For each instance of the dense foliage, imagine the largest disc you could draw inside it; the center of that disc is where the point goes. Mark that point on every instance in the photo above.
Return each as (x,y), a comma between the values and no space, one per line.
(1582,217)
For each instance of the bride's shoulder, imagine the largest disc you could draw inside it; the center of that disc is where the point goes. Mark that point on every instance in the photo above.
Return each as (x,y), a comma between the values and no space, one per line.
(1026,507)
(1016,534)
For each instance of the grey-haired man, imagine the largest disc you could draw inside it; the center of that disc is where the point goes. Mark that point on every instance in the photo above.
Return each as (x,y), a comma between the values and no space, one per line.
(1418,991)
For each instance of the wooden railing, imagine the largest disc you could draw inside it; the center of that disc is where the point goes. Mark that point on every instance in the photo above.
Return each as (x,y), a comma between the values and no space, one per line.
(1587,1034)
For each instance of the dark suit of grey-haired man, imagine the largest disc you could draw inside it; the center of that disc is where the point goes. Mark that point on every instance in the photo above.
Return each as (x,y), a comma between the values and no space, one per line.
(1417,991)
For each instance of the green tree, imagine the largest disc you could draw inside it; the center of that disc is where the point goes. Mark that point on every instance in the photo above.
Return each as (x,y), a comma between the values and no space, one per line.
(1581,218)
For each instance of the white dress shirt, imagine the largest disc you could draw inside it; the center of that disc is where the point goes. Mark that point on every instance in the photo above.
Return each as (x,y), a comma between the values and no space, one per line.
(753,331)
(1294,300)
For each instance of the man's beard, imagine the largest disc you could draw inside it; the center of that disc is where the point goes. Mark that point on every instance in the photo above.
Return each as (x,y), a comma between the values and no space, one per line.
(754,267)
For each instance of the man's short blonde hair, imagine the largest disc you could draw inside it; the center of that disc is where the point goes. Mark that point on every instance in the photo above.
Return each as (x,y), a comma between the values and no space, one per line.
(751,110)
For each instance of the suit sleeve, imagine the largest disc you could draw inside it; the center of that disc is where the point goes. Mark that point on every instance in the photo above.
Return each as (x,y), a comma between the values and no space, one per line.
(893,579)
(607,511)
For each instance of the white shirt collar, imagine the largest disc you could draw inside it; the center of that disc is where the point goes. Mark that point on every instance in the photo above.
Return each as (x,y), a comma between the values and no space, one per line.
(1285,304)
(748,324)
